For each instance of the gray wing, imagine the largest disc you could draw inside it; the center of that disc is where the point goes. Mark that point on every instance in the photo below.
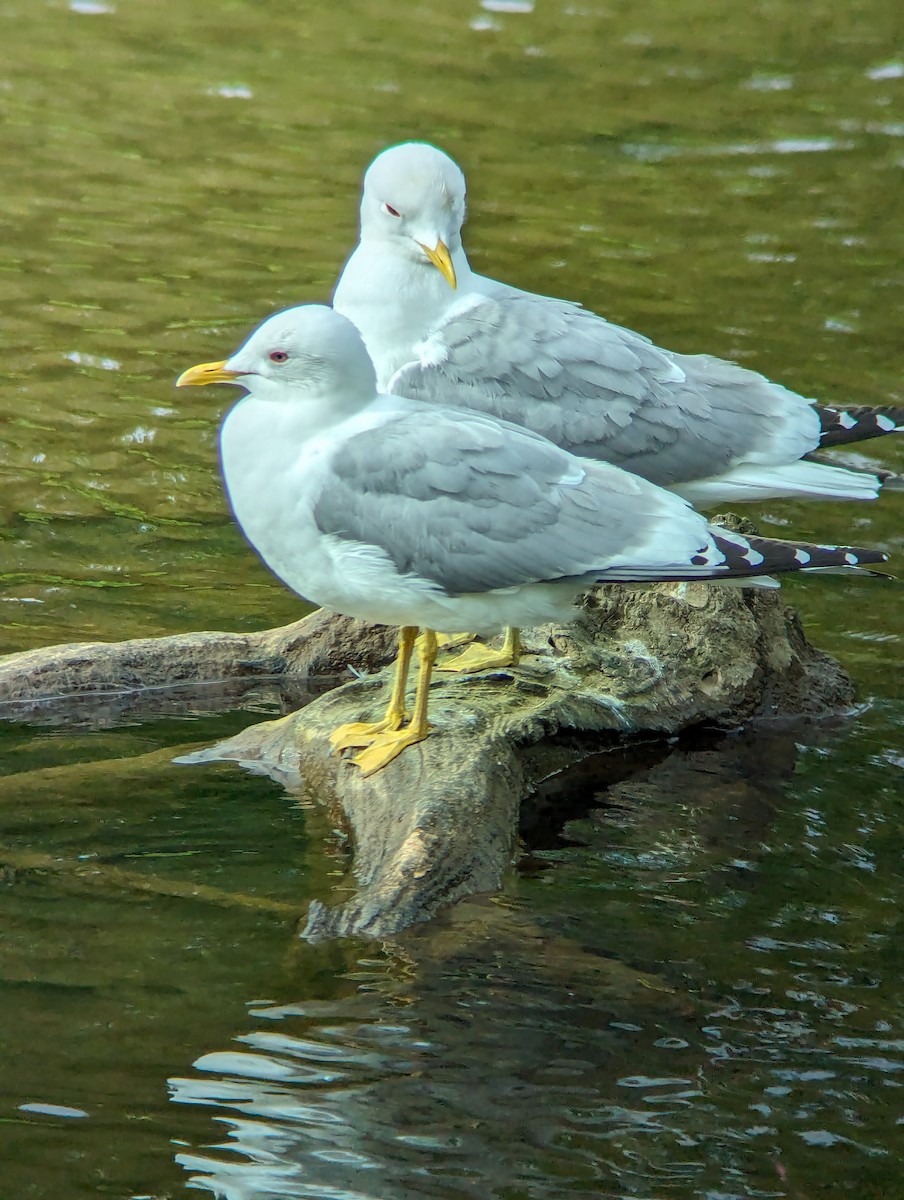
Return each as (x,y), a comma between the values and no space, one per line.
(604,392)
(471,504)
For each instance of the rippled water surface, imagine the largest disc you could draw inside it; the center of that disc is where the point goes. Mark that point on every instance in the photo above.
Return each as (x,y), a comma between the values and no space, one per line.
(697,992)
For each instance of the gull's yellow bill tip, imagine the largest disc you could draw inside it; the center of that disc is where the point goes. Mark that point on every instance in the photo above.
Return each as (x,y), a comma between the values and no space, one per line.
(214,372)
(442,260)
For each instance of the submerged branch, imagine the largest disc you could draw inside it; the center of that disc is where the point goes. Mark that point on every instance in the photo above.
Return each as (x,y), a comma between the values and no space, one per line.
(109,878)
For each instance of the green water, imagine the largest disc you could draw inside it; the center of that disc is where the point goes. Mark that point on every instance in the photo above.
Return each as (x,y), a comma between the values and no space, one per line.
(699,993)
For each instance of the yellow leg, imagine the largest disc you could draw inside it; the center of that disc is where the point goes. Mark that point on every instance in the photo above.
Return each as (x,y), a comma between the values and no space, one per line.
(362,733)
(389,745)
(484,658)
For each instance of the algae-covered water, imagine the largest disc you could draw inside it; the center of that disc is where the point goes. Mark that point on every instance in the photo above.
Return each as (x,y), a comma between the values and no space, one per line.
(697,991)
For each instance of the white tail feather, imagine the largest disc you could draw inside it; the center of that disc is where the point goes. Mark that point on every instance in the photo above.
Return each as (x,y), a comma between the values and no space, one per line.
(758,581)
(803,479)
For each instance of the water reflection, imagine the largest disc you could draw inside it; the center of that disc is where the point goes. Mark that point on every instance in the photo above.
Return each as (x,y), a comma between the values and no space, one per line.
(489,1076)
(679,1037)
(108,709)
(481,1074)
(692,989)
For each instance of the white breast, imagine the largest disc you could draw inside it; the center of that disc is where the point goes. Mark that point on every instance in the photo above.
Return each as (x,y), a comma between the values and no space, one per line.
(395,303)
(273,475)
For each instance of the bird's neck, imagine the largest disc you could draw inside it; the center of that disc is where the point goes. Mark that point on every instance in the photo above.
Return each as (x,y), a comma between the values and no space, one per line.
(396,302)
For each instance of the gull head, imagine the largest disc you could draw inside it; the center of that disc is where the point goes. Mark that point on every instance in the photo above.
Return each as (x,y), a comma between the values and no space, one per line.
(414,199)
(305,353)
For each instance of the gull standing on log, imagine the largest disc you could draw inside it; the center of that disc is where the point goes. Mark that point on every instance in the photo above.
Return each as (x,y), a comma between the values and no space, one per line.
(407,514)
(707,429)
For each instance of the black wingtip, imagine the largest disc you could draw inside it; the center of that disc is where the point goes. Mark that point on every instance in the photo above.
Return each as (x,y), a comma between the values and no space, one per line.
(727,555)
(857,423)
(765,556)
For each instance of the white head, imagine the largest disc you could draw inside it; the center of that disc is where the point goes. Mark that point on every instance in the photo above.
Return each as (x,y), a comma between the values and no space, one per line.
(304,353)
(414,199)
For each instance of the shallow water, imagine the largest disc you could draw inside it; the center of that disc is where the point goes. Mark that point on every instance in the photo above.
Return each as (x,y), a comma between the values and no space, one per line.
(699,993)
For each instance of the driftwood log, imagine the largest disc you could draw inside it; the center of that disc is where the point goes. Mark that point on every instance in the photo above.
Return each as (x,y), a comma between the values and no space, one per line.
(101,682)
(441,821)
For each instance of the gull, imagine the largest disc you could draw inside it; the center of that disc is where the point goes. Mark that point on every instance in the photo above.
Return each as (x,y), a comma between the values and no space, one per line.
(707,429)
(418,516)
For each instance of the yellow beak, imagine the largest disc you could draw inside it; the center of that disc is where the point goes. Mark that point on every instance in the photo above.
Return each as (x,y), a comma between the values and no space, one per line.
(216,372)
(442,260)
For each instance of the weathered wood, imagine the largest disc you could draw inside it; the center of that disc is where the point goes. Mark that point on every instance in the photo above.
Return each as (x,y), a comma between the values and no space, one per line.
(98,682)
(441,821)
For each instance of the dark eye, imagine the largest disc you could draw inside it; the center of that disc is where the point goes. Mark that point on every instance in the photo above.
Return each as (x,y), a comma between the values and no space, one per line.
(278,356)
(390,211)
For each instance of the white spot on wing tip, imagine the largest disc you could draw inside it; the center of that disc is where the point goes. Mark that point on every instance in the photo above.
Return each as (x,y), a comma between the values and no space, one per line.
(851,559)
(802,556)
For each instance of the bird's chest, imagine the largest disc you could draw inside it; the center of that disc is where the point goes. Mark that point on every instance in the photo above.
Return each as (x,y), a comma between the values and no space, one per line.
(271,478)
(394,310)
